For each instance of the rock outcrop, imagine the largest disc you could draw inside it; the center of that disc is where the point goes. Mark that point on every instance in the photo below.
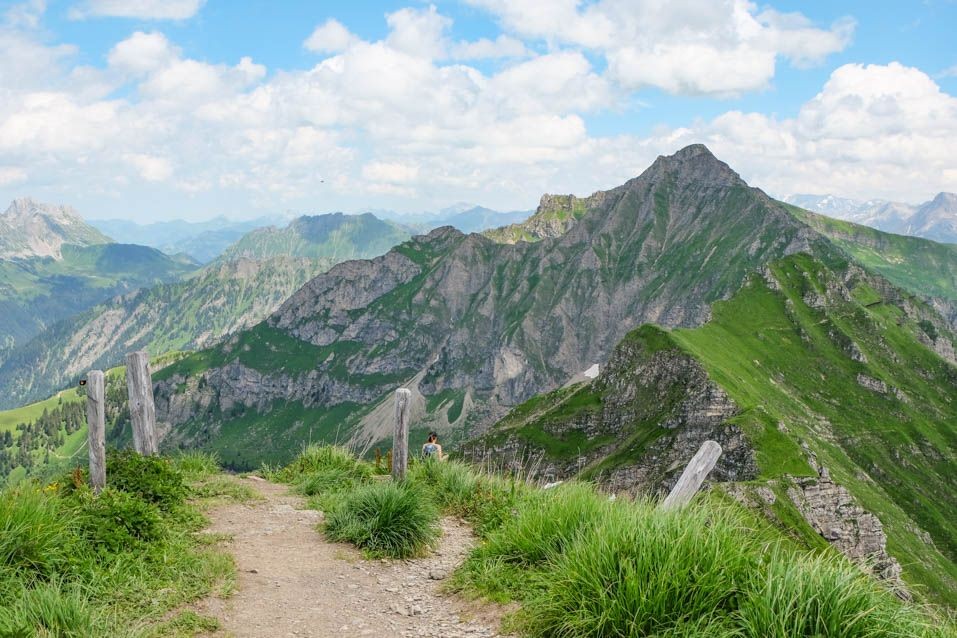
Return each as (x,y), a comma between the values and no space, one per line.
(836,515)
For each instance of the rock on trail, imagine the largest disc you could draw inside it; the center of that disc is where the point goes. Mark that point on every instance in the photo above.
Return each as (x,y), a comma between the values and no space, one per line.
(292,582)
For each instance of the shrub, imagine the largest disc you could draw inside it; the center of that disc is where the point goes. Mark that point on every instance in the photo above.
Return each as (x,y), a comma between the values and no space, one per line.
(797,597)
(644,571)
(152,478)
(384,519)
(116,521)
(36,534)
(195,465)
(48,610)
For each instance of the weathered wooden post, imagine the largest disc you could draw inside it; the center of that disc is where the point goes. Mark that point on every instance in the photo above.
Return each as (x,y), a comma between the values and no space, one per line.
(96,428)
(691,479)
(400,438)
(139,385)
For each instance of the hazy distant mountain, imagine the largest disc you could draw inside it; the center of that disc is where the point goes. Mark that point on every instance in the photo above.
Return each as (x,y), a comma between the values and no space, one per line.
(334,237)
(467,218)
(31,229)
(936,219)
(203,241)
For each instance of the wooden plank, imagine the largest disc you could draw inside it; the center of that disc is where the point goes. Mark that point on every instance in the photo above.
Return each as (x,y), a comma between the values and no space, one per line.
(139,385)
(96,428)
(694,475)
(400,438)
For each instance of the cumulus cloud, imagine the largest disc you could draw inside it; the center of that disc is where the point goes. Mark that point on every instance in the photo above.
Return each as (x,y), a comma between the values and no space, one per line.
(484,49)
(150,167)
(11,175)
(696,47)
(329,37)
(406,121)
(418,32)
(141,53)
(139,9)
(873,131)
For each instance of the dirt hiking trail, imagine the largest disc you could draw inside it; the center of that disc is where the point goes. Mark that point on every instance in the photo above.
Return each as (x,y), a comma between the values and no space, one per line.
(292,582)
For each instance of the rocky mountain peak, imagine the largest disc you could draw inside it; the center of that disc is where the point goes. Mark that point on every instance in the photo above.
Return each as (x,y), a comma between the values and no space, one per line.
(694,163)
(33,229)
(945,199)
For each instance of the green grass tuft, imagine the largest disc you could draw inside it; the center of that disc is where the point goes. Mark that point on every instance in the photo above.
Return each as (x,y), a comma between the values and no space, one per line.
(393,520)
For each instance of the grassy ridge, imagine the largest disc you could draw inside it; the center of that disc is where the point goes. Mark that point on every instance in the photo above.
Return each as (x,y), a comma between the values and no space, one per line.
(582,565)
(816,358)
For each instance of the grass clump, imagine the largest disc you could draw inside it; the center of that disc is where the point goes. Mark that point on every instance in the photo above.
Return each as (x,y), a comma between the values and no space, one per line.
(152,478)
(195,465)
(37,537)
(392,520)
(484,500)
(48,610)
(817,596)
(644,571)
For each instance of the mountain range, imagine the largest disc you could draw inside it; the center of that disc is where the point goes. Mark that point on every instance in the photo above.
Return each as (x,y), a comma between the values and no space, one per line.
(202,241)
(53,266)
(194,308)
(784,337)
(936,219)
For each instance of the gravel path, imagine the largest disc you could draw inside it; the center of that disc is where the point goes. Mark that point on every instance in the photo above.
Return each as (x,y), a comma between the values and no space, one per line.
(292,582)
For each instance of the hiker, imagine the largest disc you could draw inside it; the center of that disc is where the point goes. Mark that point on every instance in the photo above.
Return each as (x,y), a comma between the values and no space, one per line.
(432,449)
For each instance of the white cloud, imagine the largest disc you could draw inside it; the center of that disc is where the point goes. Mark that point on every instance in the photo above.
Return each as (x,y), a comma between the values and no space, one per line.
(873,131)
(405,122)
(484,49)
(691,47)
(150,167)
(950,72)
(26,14)
(12,175)
(390,172)
(139,9)
(142,52)
(329,37)
(418,32)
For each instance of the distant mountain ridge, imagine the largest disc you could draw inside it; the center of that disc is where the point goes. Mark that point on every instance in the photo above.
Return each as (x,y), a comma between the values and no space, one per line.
(30,229)
(935,220)
(332,236)
(203,241)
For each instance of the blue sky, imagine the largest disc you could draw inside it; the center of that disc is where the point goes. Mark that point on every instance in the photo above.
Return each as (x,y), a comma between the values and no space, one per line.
(147,109)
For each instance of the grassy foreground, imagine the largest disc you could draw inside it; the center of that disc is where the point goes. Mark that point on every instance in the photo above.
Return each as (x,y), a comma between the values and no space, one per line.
(582,564)
(121,563)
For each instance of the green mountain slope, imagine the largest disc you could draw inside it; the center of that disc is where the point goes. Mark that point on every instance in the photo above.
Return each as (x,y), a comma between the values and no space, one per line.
(335,237)
(189,314)
(921,266)
(38,292)
(806,365)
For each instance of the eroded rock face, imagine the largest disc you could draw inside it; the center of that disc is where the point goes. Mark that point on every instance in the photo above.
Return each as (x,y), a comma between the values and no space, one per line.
(656,410)
(835,514)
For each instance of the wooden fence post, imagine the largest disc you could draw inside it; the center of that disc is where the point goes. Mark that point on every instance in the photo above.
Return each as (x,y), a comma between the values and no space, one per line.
(400,438)
(139,385)
(691,479)
(96,428)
